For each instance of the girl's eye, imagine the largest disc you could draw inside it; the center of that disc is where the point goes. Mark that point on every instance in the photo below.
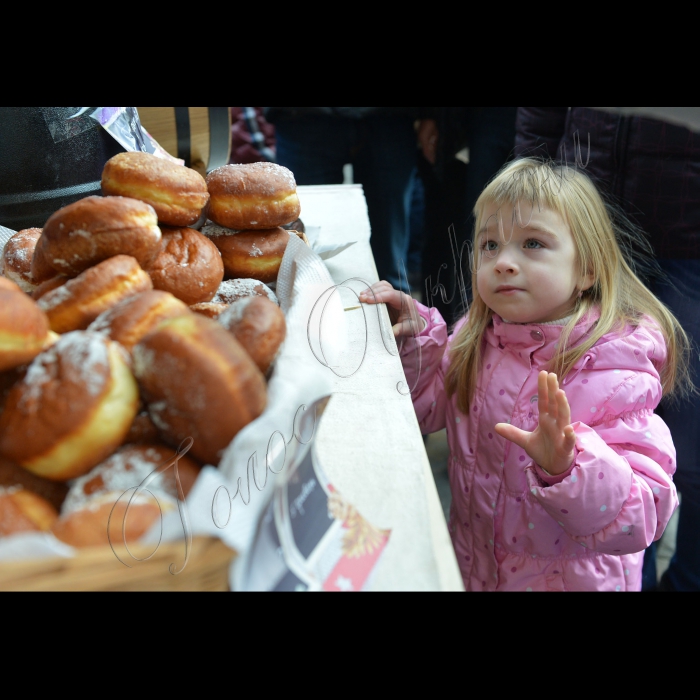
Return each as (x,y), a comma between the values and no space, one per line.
(532,244)
(489,245)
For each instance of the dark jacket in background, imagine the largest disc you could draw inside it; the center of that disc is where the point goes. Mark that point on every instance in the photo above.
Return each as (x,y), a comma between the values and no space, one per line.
(273,114)
(650,167)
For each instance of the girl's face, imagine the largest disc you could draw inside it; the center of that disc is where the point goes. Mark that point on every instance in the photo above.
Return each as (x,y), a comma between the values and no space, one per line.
(526,265)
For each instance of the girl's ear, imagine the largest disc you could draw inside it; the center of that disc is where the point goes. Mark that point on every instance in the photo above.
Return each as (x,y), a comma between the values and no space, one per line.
(587,282)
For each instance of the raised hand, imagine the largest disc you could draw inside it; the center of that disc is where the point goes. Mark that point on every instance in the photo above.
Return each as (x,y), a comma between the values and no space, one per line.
(552,442)
(404,318)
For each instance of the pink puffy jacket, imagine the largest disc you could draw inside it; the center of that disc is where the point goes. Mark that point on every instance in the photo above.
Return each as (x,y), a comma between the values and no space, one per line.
(514,527)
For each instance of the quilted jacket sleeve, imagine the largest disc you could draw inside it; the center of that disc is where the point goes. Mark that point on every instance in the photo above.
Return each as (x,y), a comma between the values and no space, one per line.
(424,363)
(539,130)
(618,496)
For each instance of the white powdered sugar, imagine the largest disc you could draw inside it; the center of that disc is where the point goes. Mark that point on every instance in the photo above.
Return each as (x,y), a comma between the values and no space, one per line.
(80,232)
(85,354)
(230,290)
(19,280)
(273,170)
(255,252)
(234,313)
(55,297)
(123,470)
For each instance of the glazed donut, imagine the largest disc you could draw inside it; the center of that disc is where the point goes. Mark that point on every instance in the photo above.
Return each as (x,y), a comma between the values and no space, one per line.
(198,382)
(77,303)
(93,229)
(12,474)
(17,258)
(230,290)
(129,320)
(258,325)
(49,285)
(253,254)
(72,409)
(24,511)
(24,329)
(210,309)
(40,267)
(189,265)
(177,193)
(252,195)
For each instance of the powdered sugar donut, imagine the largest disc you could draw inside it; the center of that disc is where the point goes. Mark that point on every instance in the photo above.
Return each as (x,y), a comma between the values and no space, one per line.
(230,290)
(252,195)
(253,254)
(73,407)
(258,325)
(17,258)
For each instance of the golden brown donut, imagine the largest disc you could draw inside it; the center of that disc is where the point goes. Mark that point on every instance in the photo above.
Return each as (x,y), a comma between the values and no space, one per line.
(24,511)
(88,526)
(252,195)
(12,474)
(72,409)
(210,309)
(198,382)
(142,429)
(127,468)
(258,324)
(177,193)
(17,258)
(49,285)
(188,266)
(40,267)
(230,290)
(129,320)
(93,229)
(24,328)
(253,254)
(77,303)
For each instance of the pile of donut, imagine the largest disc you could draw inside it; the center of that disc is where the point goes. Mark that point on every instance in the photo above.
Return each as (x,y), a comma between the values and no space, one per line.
(130,322)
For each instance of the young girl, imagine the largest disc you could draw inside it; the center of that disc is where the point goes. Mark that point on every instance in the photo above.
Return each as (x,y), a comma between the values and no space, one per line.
(559,468)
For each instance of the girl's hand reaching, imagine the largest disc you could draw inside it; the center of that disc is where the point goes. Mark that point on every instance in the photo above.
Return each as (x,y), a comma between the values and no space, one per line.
(552,442)
(404,318)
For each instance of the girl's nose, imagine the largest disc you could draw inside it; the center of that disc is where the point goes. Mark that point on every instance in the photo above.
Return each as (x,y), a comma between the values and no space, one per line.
(505,263)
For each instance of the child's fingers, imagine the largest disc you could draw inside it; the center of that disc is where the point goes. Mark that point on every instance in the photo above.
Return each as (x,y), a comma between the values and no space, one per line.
(545,403)
(564,411)
(378,293)
(552,389)
(569,438)
(510,432)
(406,328)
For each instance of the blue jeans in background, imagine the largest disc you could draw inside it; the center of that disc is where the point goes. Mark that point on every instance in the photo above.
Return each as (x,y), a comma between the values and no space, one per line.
(681,293)
(382,150)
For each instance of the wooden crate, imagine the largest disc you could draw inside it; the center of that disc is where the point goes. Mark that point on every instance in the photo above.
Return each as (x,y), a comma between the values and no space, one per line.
(98,569)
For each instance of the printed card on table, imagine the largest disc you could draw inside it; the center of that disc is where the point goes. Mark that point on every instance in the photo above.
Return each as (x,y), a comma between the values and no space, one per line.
(311,539)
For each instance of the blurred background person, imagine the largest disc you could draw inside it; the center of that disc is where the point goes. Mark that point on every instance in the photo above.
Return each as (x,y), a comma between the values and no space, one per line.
(650,169)
(315,143)
(461,149)
(252,136)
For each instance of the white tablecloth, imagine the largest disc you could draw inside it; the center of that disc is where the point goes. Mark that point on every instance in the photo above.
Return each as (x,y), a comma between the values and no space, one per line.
(369,441)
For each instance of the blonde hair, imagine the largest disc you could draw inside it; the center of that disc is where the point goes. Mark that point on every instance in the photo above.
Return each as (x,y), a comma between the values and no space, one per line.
(619,294)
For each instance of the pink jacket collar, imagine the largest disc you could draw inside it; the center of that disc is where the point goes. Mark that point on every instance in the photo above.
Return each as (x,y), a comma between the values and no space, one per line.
(534,336)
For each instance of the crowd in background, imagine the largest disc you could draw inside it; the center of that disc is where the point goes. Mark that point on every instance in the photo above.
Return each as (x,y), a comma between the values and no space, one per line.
(422,169)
